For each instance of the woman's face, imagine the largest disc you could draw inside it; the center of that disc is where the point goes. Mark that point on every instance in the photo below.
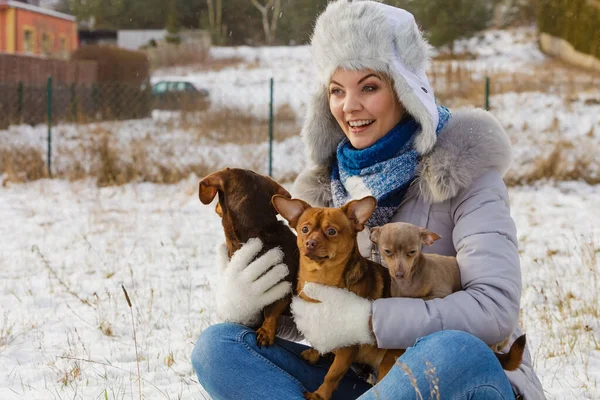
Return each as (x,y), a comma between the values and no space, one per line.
(364,106)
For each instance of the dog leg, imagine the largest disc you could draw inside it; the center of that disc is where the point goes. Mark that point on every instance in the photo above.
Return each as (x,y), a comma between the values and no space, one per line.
(311,356)
(265,335)
(341,363)
(388,362)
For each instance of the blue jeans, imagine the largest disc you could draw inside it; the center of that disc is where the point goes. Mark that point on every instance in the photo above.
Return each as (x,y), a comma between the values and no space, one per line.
(444,365)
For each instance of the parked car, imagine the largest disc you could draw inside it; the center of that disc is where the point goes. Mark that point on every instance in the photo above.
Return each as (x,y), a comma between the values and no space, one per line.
(179,95)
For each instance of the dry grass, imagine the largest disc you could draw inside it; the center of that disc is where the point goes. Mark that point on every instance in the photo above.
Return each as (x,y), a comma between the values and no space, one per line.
(113,169)
(7,331)
(205,64)
(182,55)
(22,165)
(236,126)
(112,162)
(559,165)
(455,84)
(569,313)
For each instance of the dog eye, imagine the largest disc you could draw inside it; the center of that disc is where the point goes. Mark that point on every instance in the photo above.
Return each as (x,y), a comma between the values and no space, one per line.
(387,251)
(331,232)
(411,253)
(305,229)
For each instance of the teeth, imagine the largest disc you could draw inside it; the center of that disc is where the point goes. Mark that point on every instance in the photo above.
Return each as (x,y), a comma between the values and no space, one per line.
(361,122)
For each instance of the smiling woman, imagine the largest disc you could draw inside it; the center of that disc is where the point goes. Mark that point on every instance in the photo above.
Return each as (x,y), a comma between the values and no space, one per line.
(364,104)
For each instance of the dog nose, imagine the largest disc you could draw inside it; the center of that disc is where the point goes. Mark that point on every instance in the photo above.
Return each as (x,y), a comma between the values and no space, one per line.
(400,274)
(310,244)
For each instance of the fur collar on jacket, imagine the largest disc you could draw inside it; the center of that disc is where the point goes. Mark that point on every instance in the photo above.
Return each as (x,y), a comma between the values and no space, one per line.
(472,142)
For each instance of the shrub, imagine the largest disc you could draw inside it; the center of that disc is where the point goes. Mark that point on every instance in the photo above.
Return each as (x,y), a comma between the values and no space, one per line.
(116,64)
(576,21)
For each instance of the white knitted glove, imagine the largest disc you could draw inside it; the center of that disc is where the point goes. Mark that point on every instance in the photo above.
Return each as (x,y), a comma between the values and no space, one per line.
(245,286)
(340,319)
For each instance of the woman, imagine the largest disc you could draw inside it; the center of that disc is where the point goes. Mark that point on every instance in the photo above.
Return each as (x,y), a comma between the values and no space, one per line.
(373,128)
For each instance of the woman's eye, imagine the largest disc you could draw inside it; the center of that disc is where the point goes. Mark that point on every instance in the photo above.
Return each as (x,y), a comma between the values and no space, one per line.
(369,88)
(331,232)
(335,91)
(305,229)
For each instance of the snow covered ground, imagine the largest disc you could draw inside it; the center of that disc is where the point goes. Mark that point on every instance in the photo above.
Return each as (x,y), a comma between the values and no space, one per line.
(66,328)
(67,247)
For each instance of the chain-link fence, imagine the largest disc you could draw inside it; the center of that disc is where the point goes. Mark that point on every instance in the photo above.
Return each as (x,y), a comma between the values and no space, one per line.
(26,104)
(120,133)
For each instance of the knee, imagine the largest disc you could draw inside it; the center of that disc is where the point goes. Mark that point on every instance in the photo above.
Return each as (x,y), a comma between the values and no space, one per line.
(452,345)
(453,339)
(210,348)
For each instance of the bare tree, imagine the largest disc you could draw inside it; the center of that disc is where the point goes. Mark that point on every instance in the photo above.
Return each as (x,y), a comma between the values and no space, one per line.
(215,20)
(269,28)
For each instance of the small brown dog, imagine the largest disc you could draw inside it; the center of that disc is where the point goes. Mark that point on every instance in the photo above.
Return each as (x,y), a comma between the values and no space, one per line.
(246,212)
(427,276)
(329,255)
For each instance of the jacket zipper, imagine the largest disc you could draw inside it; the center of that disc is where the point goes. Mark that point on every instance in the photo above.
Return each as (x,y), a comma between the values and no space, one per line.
(409,197)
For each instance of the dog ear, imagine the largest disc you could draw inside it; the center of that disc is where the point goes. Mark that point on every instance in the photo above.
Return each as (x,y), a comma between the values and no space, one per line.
(207,188)
(278,189)
(427,238)
(374,235)
(359,211)
(290,209)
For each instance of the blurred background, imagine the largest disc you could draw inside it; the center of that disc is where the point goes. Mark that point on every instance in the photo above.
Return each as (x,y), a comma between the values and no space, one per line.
(200,70)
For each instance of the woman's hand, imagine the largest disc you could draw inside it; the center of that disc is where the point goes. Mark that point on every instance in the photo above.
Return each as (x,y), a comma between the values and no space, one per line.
(246,285)
(340,319)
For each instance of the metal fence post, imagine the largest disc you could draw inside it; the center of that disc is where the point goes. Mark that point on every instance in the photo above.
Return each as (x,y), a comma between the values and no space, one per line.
(271,132)
(49,103)
(487,93)
(20,110)
(73,103)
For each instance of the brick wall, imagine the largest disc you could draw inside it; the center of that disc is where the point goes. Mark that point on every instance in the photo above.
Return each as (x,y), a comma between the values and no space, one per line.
(34,71)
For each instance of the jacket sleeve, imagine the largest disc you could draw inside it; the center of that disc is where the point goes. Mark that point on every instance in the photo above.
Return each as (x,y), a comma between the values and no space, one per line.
(286,329)
(484,237)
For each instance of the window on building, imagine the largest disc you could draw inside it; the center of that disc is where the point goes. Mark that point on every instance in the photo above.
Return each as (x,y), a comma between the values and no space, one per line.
(28,41)
(46,44)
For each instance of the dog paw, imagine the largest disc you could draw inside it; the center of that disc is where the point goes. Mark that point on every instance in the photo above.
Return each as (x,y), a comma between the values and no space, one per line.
(312,396)
(311,356)
(264,337)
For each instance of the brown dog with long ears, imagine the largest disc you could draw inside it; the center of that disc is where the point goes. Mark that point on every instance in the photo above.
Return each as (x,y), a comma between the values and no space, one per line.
(427,276)
(246,212)
(329,255)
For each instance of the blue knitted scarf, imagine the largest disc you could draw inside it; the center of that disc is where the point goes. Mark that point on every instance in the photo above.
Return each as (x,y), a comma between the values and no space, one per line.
(383,170)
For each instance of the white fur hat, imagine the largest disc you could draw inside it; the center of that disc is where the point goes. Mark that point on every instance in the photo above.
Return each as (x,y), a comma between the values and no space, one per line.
(367,34)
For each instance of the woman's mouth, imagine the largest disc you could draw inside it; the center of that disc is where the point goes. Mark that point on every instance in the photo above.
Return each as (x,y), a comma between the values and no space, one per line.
(360,125)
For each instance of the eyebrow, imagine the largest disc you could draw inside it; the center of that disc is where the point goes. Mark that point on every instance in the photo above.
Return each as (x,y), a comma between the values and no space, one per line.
(360,81)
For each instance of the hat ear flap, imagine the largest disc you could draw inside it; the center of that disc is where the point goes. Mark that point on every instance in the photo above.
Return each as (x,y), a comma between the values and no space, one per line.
(321,132)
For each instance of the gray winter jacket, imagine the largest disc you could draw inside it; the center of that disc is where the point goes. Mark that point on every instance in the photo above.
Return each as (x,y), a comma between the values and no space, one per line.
(459,194)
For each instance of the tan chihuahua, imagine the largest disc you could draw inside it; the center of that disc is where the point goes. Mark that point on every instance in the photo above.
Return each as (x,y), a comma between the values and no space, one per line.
(329,255)
(415,274)
(427,276)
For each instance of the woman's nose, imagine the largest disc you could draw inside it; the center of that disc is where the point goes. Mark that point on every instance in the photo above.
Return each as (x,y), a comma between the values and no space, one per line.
(351,103)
